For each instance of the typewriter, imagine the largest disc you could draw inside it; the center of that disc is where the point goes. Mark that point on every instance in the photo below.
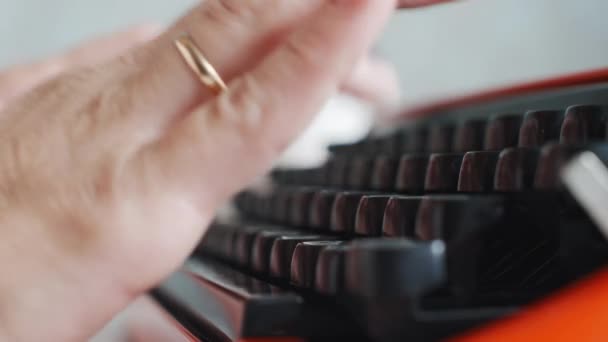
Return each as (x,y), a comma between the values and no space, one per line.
(476,219)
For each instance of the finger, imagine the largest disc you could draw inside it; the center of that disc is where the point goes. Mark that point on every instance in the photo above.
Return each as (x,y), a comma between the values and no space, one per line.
(222,146)
(374,80)
(21,78)
(419,3)
(104,48)
(234,36)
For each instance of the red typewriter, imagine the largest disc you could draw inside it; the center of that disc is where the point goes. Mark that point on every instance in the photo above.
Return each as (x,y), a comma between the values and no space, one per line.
(476,219)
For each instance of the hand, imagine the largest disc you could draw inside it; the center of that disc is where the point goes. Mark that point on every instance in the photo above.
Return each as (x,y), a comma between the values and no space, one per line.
(22,78)
(109,175)
(419,3)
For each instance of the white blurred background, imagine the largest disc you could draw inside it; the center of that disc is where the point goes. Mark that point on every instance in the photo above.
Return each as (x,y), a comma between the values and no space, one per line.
(449,49)
(441,51)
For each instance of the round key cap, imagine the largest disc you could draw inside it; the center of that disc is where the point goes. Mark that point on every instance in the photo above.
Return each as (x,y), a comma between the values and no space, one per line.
(415,139)
(449,217)
(304,262)
(469,136)
(384,172)
(243,244)
(282,252)
(583,123)
(552,158)
(443,172)
(370,214)
(320,209)
(329,274)
(540,127)
(441,137)
(399,268)
(262,246)
(300,207)
(515,169)
(360,173)
(400,216)
(411,173)
(344,212)
(281,205)
(477,171)
(502,132)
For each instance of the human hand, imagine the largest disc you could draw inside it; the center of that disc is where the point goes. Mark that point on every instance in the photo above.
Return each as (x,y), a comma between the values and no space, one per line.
(109,175)
(21,78)
(419,3)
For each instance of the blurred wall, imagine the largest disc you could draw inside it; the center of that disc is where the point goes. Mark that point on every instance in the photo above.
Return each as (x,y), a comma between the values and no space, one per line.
(444,50)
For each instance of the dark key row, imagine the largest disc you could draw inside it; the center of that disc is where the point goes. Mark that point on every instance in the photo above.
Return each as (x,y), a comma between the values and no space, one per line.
(327,264)
(353,214)
(511,169)
(577,124)
(488,244)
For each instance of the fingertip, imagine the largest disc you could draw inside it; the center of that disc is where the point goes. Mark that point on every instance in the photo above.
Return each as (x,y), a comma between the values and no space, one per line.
(375,80)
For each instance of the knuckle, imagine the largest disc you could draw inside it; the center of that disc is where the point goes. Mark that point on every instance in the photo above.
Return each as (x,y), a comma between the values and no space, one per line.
(304,52)
(225,12)
(242,107)
(250,111)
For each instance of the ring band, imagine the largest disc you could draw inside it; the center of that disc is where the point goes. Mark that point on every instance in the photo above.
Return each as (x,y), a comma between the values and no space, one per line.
(199,64)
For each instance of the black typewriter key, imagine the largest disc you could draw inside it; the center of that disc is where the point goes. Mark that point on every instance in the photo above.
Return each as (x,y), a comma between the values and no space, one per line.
(304,262)
(448,217)
(515,169)
(583,123)
(443,172)
(415,139)
(370,214)
(243,244)
(360,173)
(281,203)
(337,170)
(470,135)
(282,253)
(329,274)
(211,241)
(552,158)
(300,207)
(221,240)
(502,132)
(400,216)
(384,172)
(411,173)
(429,213)
(262,247)
(540,127)
(344,212)
(320,209)
(393,268)
(441,137)
(477,171)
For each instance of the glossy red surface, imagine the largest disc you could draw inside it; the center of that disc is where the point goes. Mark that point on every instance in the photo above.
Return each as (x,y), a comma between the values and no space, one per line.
(578,313)
(588,77)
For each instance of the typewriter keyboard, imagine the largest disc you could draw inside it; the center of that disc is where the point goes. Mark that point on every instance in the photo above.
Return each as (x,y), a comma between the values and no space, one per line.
(453,219)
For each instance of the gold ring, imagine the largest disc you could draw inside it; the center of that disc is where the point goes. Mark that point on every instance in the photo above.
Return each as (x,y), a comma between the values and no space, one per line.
(199,64)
